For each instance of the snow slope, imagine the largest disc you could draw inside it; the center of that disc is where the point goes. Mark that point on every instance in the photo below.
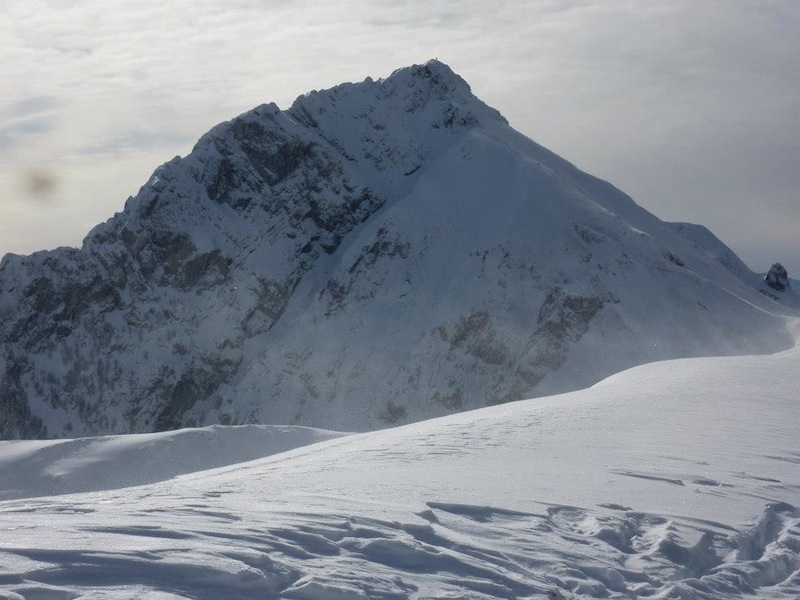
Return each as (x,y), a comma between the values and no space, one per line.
(378,253)
(678,479)
(45,468)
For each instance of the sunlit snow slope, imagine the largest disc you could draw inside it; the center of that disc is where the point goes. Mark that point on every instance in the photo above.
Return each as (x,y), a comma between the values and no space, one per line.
(678,479)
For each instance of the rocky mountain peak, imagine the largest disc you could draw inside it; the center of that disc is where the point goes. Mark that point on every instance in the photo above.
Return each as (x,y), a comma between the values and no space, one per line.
(379,252)
(436,75)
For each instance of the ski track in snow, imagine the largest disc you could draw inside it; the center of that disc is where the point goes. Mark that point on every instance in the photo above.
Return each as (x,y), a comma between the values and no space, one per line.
(672,480)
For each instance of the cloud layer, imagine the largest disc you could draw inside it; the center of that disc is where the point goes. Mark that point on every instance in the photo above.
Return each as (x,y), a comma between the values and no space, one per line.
(689,107)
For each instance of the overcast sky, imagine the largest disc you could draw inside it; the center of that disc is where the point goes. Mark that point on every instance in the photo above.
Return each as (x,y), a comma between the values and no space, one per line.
(690,106)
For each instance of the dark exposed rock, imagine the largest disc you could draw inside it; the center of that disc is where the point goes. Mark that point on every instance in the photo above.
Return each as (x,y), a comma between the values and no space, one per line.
(563,319)
(777,278)
(676,260)
(16,419)
(393,413)
(475,335)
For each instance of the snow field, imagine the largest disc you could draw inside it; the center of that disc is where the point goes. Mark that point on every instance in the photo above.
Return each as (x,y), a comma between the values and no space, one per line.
(672,480)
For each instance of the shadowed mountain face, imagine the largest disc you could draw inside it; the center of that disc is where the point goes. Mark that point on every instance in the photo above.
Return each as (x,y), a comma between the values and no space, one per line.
(378,253)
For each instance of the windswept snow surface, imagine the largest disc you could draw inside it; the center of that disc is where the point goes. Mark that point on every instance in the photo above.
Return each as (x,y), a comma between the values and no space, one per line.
(678,479)
(48,468)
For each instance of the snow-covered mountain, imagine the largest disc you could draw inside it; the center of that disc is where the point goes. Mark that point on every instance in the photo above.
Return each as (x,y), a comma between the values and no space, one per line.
(378,253)
(672,480)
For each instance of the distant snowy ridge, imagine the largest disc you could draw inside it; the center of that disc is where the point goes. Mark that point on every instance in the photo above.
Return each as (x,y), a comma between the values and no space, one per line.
(672,480)
(378,253)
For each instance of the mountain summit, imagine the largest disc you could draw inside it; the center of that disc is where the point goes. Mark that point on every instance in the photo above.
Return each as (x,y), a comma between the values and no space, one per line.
(379,252)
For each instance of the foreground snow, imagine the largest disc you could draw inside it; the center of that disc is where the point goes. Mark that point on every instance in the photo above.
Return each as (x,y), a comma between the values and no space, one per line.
(678,479)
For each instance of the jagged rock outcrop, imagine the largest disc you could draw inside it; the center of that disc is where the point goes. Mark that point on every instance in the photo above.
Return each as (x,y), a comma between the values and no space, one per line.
(379,252)
(777,278)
